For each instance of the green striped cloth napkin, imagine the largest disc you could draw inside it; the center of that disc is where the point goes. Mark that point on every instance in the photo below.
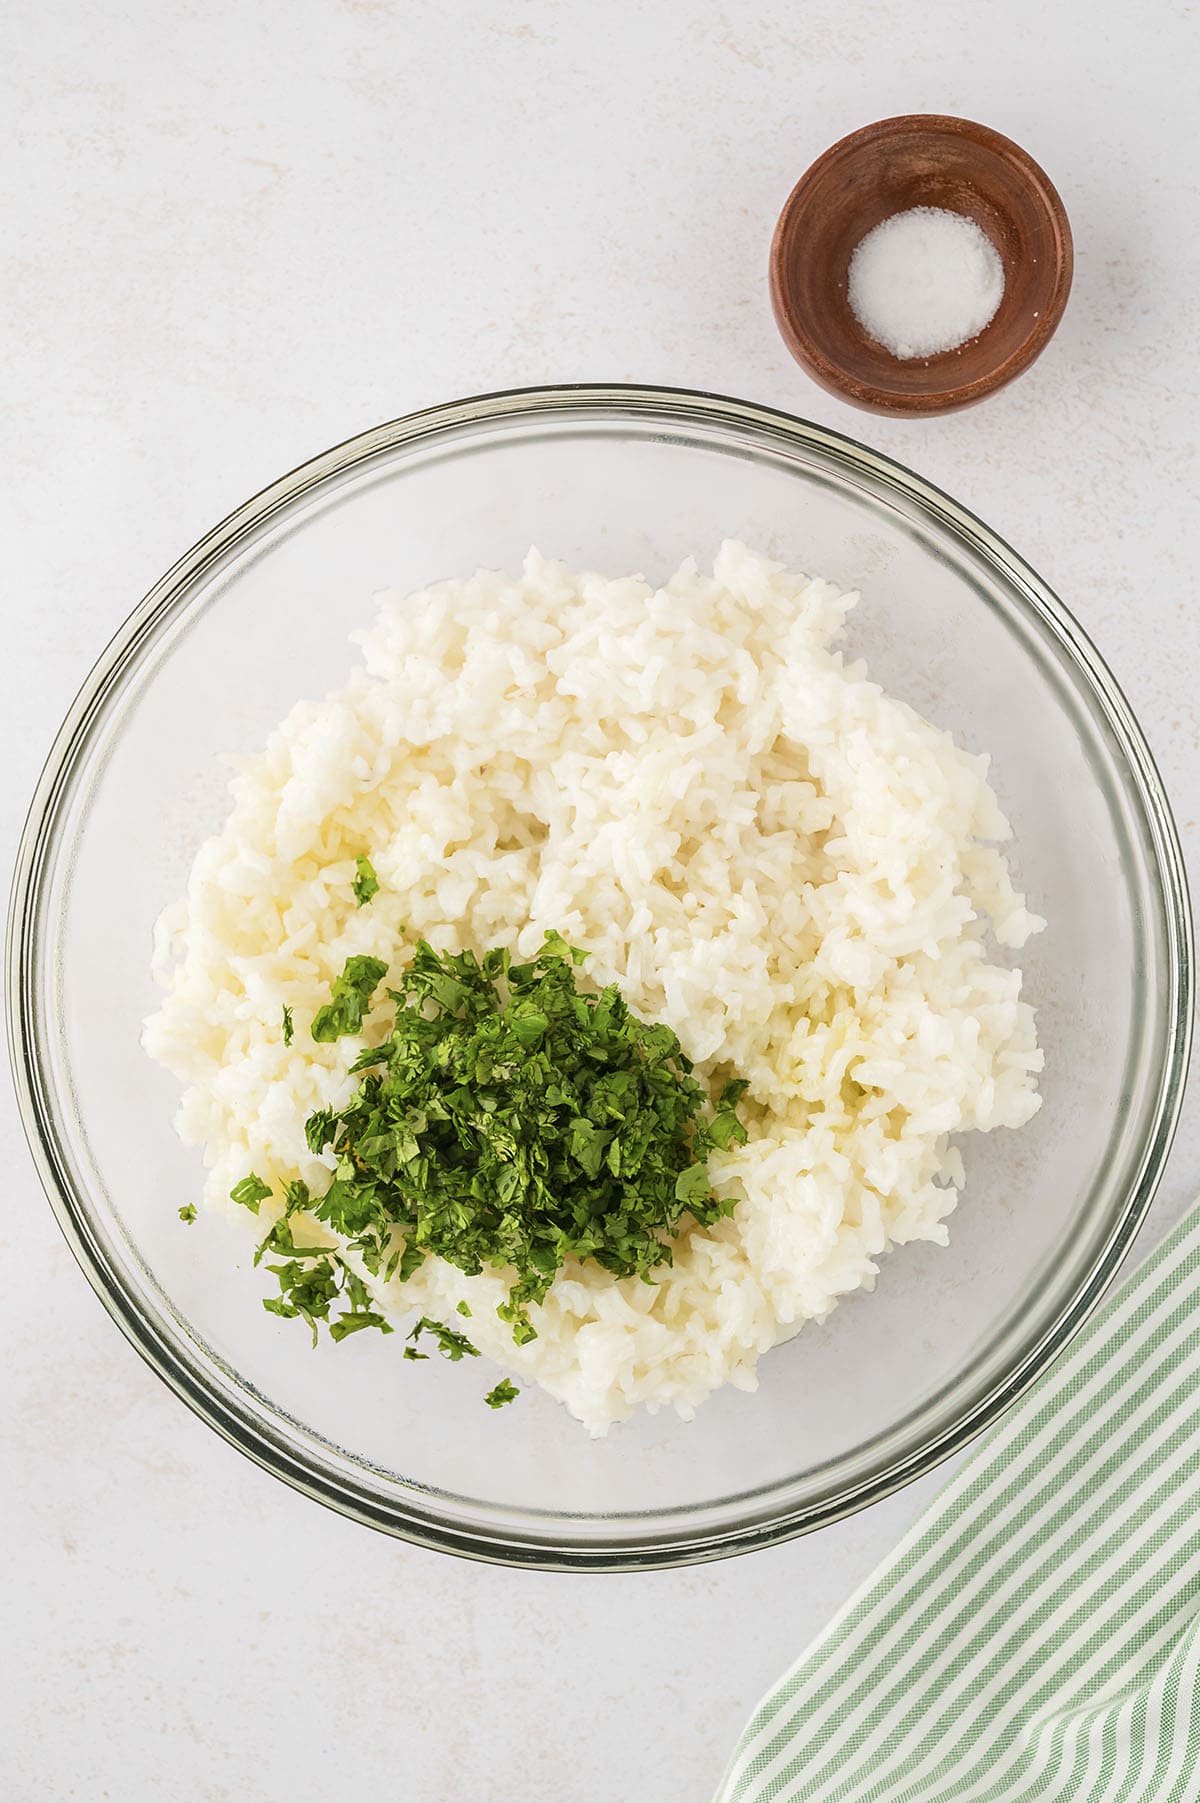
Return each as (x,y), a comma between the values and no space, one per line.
(1036,1636)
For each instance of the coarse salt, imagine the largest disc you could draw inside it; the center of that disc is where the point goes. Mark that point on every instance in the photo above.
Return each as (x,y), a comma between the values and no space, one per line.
(924,281)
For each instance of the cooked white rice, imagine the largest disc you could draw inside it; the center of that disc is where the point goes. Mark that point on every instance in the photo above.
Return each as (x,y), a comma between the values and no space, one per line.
(760,847)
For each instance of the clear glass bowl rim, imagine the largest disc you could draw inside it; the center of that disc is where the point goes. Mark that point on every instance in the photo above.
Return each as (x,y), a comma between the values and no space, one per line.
(418,1519)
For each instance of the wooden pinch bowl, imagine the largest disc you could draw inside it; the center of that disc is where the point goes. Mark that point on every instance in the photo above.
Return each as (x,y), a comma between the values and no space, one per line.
(919,160)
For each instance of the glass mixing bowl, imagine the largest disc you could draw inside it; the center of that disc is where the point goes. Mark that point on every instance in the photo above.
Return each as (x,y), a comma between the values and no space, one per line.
(618,479)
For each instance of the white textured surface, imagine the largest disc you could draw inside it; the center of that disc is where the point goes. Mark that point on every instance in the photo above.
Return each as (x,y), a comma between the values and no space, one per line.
(237,233)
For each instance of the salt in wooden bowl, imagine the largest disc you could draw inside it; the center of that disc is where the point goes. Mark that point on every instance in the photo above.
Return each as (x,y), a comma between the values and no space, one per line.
(919,160)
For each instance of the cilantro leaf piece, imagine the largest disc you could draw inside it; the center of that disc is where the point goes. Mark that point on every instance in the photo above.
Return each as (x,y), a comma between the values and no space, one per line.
(304,1290)
(451,1345)
(523,1329)
(691,1185)
(725,1129)
(505,1391)
(250,1192)
(320,1128)
(187,1213)
(289,1028)
(366,883)
(352,993)
(281,1240)
(462,1309)
(346,1324)
(411,1259)
(556,947)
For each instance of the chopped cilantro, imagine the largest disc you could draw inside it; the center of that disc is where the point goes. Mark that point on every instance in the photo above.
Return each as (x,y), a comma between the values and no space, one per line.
(288,1027)
(357,1318)
(411,1259)
(462,1309)
(691,1184)
(312,1281)
(366,883)
(250,1192)
(451,1345)
(352,993)
(318,1128)
(280,1238)
(306,1290)
(508,1119)
(187,1213)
